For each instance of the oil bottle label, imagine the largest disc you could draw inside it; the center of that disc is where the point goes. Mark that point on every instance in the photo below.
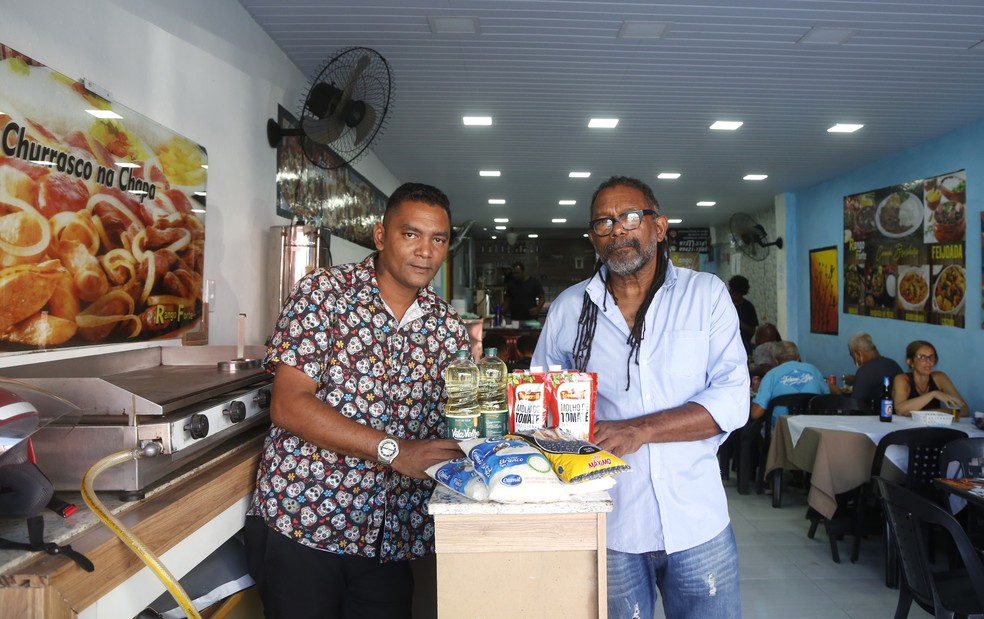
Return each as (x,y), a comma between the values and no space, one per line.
(495,423)
(461,428)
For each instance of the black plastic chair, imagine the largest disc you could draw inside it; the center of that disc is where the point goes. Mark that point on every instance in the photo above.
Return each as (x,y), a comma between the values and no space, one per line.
(836,404)
(858,513)
(964,457)
(943,592)
(756,436)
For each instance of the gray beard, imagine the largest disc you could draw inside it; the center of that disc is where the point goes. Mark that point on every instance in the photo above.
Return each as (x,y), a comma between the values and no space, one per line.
(628,263)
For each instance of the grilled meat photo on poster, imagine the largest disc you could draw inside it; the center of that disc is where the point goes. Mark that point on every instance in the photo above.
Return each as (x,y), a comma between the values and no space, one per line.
(101,237)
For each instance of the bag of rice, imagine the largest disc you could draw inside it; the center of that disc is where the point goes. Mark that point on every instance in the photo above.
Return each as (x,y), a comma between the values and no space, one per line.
(514,471)
(574,460)
(459,476)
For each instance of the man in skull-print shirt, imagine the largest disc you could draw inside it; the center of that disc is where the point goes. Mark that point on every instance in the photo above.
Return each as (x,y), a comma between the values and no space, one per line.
(358,354)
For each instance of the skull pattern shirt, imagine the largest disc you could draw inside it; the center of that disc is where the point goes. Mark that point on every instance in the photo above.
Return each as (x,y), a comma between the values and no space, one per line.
(336,329)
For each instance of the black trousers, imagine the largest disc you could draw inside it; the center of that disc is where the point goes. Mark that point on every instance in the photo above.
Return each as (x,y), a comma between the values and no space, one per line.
(298,582)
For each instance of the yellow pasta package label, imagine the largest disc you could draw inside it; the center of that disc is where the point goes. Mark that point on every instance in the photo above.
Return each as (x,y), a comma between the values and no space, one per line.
(574,460)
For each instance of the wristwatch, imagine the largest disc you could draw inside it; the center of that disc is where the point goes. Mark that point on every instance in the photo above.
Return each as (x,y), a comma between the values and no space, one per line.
(387,450)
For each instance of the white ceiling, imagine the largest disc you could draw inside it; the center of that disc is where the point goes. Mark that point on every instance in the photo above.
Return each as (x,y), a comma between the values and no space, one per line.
(542,68)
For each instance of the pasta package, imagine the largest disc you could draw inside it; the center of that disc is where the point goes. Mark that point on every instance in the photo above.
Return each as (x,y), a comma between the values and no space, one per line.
(571,398)
(514,471)
(459,476)
(574,460)
(527,401)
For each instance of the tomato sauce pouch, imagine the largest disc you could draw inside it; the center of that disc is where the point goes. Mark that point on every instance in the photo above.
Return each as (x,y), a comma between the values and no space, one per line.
(571,399)
(527,401)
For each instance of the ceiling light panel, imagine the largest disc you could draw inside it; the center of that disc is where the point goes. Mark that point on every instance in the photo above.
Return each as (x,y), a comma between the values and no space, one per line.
(558,221)
(489,173)
(668,176)
(844,128)
(500,227)
(579,174)
(602,123)
(726,125)
(706,203)
(567,202)
(453,25)
(496,201)
(755,177)
(675,221)
(501,220)
(476,120)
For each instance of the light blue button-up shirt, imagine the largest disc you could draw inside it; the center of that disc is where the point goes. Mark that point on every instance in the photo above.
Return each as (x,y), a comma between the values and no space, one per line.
(672,499)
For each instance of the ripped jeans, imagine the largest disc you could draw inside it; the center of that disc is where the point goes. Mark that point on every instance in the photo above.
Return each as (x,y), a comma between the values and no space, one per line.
(698,583)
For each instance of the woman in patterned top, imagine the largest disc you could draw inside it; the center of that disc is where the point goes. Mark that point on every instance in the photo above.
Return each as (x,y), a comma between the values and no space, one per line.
(358,395)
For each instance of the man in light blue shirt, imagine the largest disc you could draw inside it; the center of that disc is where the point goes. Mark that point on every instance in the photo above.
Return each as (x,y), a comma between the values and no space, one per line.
(672,383)
(790,376)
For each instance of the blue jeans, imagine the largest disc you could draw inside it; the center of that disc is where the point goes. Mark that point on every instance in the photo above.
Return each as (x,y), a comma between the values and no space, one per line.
(698,583)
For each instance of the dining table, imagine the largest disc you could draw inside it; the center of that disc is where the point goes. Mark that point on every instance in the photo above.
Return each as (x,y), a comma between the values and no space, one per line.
(837,451)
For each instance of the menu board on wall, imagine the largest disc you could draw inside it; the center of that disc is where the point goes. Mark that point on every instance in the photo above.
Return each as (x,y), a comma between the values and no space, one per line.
(904,252)
(102,232)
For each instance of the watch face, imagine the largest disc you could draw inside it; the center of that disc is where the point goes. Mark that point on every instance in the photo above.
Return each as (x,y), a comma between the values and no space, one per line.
(388,448)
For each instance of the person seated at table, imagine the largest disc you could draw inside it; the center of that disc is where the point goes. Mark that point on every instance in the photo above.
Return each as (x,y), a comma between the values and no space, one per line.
(872,370)
(792,375)
(763,356)
(923,388)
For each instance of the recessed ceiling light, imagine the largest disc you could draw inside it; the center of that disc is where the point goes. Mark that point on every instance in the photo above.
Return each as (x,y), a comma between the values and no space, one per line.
(477,120)
(844,128)
(567,202)
(826,35)
(496,201)
(668,175)
(755,177)
(494,237)
(675,221)
(501,220)
(726,125)
(579,174)
(558,221)
(602,123)
(500,227)
(706,203)
(453,25)
(533,236)
(489,173)
(632,29)
(585,235)
(104,114)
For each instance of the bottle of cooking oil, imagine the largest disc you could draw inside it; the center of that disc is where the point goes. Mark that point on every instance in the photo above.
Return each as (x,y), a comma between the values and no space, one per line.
(461,414)
(492,396)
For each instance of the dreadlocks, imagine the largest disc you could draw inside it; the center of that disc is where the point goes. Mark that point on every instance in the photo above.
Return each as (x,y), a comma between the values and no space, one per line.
(588,320)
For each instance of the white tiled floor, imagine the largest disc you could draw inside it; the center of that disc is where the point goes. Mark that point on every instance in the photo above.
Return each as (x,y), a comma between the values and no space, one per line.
(784,574)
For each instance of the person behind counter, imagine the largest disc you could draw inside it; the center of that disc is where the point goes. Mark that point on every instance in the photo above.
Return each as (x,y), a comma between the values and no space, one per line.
(872,370)
(923,388)
(747,316)
(672,383)
(524,294)
(339,505)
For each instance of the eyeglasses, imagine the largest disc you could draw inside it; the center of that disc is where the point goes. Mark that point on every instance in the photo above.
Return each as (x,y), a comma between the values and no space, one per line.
(630,220)
(930,358)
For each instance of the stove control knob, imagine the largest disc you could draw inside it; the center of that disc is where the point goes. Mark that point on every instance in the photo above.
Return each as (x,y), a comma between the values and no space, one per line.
(262,398)
(197,426)
(236,411)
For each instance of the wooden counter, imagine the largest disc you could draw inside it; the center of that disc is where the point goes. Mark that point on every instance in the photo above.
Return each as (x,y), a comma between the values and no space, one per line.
(182,521)
(526,560)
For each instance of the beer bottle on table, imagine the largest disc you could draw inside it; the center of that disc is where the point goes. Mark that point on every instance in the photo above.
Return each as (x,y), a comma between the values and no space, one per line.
(887,406)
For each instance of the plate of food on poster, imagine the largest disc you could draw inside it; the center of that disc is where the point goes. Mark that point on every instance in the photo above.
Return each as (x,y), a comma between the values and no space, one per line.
(949,290)
(899,214)
(946,210)
(859,213)
(913,287)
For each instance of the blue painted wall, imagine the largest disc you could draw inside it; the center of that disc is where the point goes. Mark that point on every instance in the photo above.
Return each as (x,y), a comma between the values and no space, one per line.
(815,219)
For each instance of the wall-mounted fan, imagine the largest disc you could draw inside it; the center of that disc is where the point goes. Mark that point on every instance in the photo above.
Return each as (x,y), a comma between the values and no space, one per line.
(748,236)
(344,108)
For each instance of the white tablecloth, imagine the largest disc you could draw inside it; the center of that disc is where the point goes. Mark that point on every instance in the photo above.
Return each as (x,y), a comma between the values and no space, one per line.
(870,426)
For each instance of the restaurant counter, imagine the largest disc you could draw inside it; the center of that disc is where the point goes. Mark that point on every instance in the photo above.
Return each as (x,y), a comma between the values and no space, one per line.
(498,560)
(182,520)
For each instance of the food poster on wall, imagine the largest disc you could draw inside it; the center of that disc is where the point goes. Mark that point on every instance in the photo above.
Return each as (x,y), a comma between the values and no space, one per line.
(102,230)
(904,252)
